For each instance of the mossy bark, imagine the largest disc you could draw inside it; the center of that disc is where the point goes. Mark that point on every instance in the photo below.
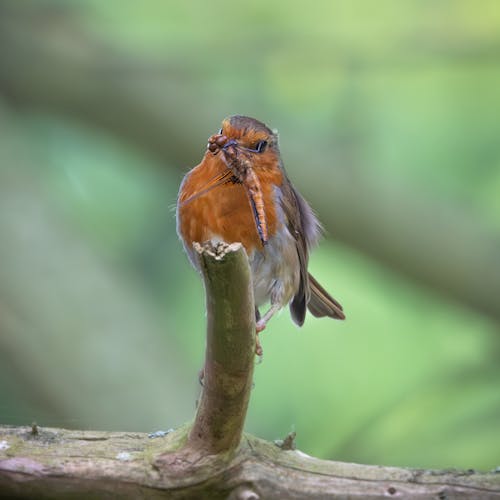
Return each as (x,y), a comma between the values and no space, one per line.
(62,463)
(230,350)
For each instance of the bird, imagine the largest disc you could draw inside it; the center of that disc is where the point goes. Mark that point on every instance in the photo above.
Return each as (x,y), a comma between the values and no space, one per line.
(240,192)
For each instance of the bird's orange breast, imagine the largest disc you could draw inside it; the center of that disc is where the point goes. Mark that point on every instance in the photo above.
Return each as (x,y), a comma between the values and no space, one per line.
(225,210)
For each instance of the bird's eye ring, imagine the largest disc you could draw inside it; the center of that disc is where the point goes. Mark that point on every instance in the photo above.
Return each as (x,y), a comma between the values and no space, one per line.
(220,131)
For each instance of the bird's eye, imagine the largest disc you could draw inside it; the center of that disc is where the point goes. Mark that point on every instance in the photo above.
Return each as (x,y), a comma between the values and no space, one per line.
(260,146)
(220,132)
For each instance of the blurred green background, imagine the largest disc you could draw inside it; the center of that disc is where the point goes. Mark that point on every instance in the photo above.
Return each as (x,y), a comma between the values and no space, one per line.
(388,114)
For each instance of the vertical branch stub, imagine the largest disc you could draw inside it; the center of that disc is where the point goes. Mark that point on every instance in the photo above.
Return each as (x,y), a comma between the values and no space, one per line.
(230,348)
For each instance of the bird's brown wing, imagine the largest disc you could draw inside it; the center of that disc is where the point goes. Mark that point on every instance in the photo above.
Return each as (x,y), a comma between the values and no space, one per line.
(305,228)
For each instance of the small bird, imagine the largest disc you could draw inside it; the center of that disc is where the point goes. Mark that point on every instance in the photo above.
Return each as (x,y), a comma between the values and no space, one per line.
(240,193)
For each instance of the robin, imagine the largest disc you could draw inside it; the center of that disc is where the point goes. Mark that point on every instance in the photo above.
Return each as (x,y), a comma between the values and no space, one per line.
(240,193)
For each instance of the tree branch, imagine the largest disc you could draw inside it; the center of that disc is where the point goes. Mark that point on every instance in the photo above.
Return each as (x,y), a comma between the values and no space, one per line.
(207,460)
(59,463)
(230,348)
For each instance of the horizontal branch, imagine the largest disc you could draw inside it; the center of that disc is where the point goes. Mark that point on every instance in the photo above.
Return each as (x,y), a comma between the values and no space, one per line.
(57,463)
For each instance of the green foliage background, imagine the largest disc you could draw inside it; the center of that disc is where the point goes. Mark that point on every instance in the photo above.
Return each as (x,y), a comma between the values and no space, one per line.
(101,317)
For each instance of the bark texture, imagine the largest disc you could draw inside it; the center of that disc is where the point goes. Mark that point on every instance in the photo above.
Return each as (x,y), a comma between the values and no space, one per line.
(229,359)
(59,464)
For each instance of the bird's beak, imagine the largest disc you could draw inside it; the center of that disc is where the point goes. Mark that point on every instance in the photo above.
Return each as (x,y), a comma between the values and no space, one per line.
(230,143)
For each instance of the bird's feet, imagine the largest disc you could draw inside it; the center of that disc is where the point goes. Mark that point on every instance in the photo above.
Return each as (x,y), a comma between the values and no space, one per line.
(259,327)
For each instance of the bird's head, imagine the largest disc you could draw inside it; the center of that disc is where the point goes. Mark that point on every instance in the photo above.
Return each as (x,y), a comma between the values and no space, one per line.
(245,141)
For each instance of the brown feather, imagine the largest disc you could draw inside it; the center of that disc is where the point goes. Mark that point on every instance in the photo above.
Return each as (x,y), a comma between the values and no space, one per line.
(298,215)
(322,303)
(305,228)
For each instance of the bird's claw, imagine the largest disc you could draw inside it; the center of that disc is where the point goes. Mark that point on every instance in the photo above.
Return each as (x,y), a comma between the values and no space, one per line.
(259,327)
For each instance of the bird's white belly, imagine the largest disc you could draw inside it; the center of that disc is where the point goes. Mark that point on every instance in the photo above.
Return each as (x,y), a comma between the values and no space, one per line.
(275,270)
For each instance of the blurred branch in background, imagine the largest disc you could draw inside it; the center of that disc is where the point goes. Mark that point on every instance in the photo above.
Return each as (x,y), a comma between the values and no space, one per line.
(63,311)
(53,64)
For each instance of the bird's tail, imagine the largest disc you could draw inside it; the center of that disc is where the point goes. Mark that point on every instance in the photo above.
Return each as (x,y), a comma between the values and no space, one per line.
(321,303)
